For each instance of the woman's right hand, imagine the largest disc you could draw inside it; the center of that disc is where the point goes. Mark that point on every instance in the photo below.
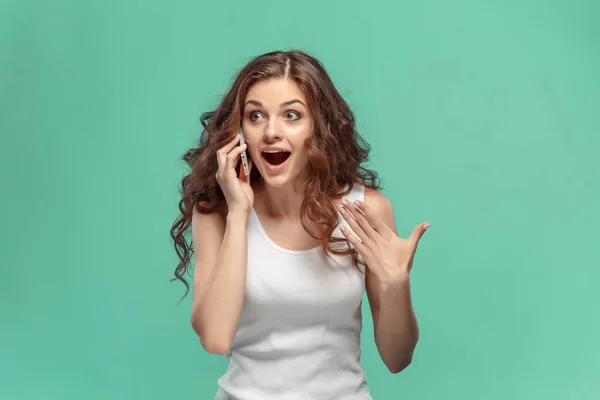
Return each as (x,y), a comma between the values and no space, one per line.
(237,191)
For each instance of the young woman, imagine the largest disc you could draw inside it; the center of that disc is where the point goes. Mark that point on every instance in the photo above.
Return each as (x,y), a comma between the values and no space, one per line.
(282,257)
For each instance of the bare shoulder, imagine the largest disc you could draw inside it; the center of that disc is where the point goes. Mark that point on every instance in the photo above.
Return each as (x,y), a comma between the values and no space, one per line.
(200,223)
(381,206)
(376,200)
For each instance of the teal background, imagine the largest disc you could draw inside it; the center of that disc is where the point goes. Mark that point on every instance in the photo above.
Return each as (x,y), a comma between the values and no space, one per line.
(483,118)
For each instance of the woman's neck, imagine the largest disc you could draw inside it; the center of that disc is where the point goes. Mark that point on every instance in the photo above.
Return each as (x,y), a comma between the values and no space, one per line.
(279,202)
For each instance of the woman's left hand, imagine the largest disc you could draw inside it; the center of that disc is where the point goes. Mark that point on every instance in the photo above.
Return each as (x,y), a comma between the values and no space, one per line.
(387,256)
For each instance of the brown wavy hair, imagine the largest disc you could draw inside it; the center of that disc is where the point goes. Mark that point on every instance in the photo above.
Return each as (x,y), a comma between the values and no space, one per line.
(336,153)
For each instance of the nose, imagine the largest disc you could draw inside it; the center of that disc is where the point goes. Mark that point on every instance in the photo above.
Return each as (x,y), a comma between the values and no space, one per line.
(272,132)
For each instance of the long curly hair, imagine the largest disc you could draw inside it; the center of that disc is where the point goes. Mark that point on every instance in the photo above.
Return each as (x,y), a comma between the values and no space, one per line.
(336,154)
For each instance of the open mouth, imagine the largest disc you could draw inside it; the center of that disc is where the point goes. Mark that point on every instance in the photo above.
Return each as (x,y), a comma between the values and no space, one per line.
(275,157)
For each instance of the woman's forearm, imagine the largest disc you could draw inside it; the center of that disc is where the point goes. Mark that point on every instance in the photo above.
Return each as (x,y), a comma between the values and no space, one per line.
(396,328)
(217,310)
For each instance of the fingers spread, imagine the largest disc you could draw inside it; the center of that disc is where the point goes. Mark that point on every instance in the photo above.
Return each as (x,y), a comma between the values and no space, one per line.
(360,219)
(377,222)
(354,241)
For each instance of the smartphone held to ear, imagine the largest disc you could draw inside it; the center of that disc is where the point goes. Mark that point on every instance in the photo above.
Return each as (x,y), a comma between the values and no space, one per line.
(244,156)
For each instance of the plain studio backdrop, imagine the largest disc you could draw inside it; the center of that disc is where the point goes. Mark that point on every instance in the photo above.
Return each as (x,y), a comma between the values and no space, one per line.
(483,118)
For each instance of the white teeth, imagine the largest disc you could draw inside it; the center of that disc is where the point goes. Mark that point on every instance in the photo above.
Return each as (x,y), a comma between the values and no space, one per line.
(273,151)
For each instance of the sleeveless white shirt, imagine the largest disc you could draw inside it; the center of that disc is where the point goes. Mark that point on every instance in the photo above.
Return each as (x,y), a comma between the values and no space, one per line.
(299,333)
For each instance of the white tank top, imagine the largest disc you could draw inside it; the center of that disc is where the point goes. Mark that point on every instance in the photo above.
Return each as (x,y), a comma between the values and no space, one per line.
(299,333)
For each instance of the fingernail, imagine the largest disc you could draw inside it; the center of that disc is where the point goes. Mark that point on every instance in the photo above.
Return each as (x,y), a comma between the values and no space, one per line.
(344,202)
(426,226)
(357,202)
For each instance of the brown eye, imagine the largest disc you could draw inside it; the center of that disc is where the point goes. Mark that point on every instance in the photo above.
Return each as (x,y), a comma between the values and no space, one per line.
(293,115)
(253,115)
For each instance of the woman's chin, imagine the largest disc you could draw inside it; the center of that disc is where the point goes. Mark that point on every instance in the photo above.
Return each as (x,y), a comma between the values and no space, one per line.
(275,181)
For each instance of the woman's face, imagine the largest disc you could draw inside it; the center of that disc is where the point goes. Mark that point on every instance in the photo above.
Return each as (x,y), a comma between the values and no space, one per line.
(276,122)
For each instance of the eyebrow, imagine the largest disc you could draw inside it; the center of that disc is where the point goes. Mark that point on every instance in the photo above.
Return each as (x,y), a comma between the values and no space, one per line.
(284,104)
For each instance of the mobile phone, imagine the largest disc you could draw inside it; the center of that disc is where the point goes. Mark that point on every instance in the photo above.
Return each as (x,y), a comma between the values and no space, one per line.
(244,156)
